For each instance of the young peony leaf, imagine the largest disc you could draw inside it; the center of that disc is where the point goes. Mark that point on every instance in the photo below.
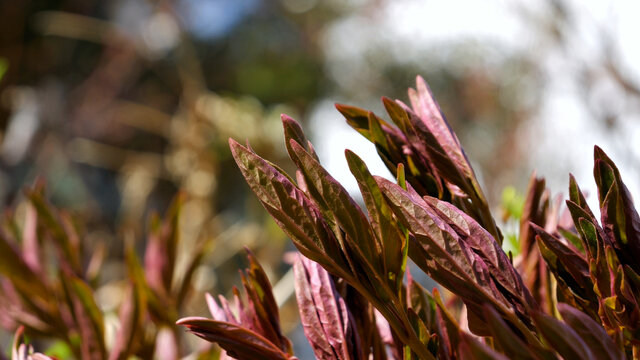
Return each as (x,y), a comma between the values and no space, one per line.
(562,338)
(620,219)
(593,334)
(428,110)
(347,249)
(425,143)
(471,348)
(591,234)
(360,120)
(442,326)
(326,321)
(185,284)
(239,342)
(534,210)
(446,153)
(395,147)
(484,245)
(293,131)
(298,216)
(577,196)
(460,255)
(569,266)
(428,146)
(136,274)
(254,319)
(439,249)
(512,344)
(537,209)
(311,324)
(392,241)
(263,305)
(330,195)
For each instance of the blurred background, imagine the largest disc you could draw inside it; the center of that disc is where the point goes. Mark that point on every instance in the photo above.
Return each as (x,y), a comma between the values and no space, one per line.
(117,105)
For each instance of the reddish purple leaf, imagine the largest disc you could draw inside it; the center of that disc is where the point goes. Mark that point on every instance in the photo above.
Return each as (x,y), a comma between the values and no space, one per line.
(298,216)
(325,318)
(593,334)
(471,348)
(562,338)
(239,342)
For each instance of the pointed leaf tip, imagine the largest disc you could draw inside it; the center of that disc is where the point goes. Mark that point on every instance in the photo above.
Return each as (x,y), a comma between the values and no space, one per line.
(598,153)
(187,320)
(285,117)
(233,144)
(290,123)
(386,100)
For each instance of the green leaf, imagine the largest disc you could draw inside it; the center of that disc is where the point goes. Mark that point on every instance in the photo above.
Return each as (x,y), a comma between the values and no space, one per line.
(401,178)
(59,350)
(378,135)
(359,120)
(4,66)
(589,241)
(576,195)
(512,202)
(391,240)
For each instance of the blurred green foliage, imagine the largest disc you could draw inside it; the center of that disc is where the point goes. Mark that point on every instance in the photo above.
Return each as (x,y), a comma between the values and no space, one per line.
(4,65)
(512,202)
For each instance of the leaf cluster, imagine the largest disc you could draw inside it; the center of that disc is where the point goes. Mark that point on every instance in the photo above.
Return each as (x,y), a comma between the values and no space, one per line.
(571,293)
(51,273)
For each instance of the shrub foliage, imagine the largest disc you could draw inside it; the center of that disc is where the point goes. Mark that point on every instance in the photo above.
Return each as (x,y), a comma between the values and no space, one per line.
(570,293)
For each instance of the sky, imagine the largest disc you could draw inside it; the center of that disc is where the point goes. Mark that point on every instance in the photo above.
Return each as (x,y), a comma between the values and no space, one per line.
(563,133)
